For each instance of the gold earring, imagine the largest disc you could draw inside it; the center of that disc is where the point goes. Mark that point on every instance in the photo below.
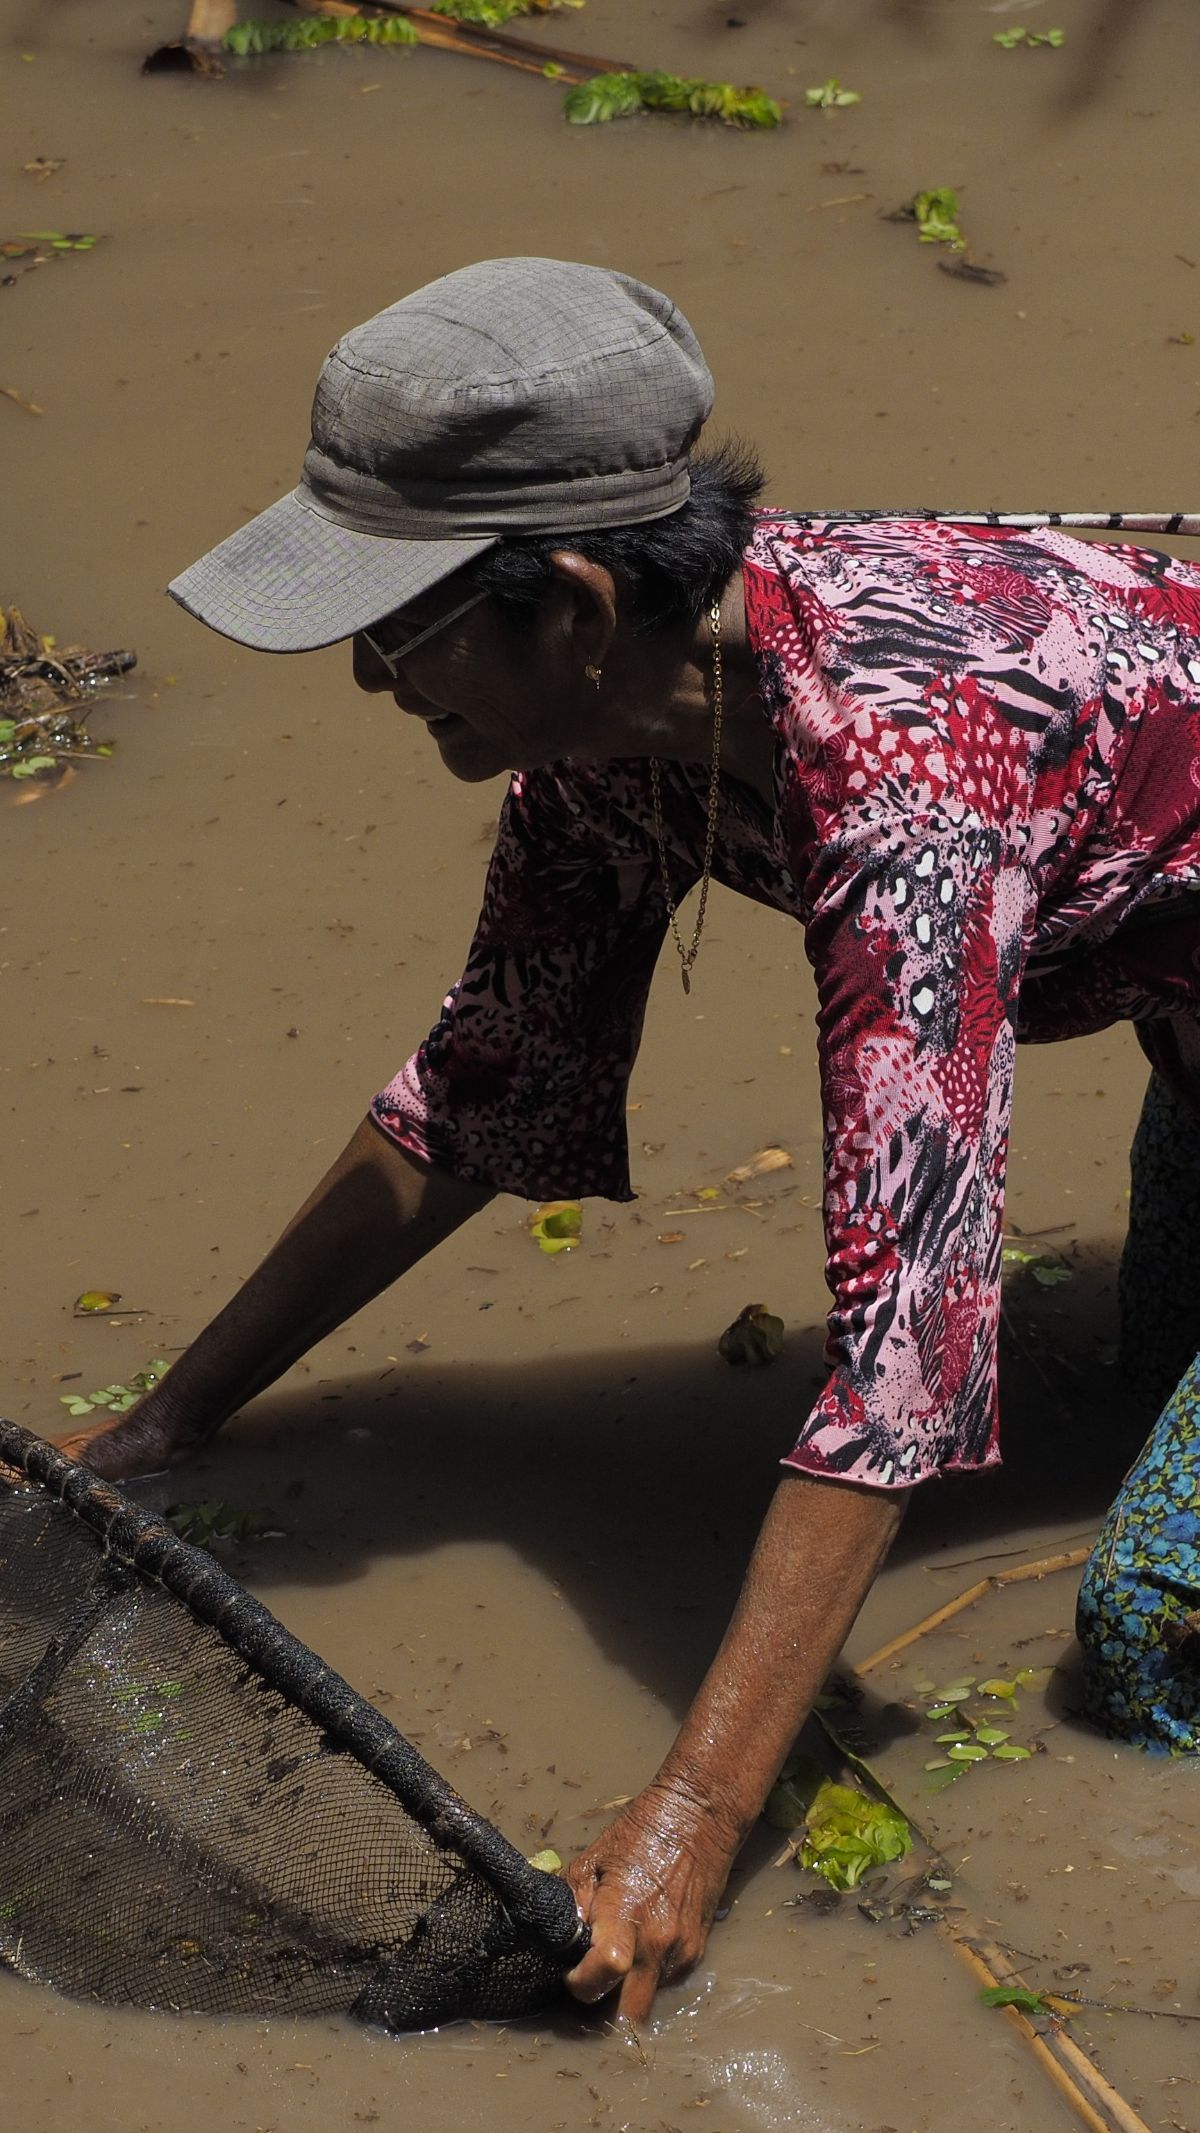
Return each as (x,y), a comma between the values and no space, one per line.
(593,674)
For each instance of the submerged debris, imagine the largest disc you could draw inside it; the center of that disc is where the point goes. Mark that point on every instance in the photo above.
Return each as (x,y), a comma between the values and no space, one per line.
(215,1524)
(44,700)
(754,1338)
(36,248)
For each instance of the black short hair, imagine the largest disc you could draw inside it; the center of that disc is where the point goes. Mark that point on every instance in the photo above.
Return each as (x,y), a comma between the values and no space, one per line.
(672,568)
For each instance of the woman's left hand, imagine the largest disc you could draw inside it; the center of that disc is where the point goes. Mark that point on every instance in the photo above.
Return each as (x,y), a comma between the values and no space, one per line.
(649,1888)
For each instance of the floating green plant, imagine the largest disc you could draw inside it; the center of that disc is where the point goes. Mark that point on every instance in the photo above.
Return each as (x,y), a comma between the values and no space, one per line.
(117,1399)
(1010,39)
(613,96)
(493,14)
(250,39)
(830,96)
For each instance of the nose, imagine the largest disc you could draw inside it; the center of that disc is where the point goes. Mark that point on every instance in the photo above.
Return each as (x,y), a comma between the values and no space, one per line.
(370,673)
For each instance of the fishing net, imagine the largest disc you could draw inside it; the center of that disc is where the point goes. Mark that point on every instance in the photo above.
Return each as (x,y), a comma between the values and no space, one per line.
(197,1814)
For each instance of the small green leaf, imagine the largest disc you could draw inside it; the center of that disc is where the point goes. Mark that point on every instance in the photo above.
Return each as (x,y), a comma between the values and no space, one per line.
(990,1736)
(830,95)
(996,1687)
(960,1733)
(75,1404)
(1010,1753)
(942,1710)
(1049,1277)
(1033,1677)
(98,1300)
(939,1762)
(948,1776)
(547,1862)
(967,1752)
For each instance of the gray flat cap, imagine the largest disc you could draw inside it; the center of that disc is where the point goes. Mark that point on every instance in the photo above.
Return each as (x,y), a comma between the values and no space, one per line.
(517,396)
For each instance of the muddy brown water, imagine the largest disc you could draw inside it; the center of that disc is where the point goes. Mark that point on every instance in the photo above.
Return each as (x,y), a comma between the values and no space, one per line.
(533,1526)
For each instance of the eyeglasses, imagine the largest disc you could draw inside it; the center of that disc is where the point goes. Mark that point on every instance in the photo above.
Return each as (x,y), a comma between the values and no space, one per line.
(391,659)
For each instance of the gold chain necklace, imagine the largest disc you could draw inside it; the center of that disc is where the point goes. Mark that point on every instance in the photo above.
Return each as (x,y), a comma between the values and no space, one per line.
(687,956)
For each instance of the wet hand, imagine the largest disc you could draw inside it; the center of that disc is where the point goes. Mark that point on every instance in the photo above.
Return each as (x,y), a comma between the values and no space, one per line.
(144,1441)
(649,1888)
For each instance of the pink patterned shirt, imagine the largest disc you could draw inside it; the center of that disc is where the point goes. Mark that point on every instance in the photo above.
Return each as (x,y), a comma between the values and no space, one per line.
(987,819)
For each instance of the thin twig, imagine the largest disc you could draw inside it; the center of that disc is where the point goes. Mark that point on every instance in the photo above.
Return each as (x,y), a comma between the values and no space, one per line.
(1065,1559)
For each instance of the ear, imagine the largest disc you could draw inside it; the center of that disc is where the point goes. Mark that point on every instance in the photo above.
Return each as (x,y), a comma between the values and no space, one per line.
(583,601)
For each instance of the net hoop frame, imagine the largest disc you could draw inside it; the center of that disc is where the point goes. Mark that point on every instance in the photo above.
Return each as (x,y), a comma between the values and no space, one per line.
(539,1904)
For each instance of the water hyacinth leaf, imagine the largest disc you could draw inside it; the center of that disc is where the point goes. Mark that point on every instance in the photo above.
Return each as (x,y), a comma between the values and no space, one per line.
(75,1404)
(847,1834)
(1011,1752)
(967,1752)
(557,1226)
(619,95)
(961,1733)
(249,40)
(990,1736)
(97,1300)
(936,215)
(754,1339)
(943,1710)
(547,1862)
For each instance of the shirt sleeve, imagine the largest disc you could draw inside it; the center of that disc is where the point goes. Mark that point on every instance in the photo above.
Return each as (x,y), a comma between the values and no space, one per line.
(917,937)
(522,1082)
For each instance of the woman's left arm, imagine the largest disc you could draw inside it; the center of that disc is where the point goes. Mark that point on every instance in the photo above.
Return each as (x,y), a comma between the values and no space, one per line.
(650,1884)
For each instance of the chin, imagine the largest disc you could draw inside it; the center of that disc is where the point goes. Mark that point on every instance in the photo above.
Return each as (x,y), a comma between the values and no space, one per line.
(468,756)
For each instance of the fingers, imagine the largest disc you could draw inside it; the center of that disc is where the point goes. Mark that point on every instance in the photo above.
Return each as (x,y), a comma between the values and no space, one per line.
(609,1960)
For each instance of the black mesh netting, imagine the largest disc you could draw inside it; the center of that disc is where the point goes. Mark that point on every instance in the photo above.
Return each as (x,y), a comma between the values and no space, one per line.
(197,1814)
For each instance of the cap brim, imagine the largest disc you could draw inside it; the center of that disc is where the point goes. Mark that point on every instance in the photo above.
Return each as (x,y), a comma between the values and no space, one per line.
(292,581)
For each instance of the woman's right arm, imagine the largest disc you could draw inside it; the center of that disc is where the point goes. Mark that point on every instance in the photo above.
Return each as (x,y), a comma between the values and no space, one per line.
(375,1213)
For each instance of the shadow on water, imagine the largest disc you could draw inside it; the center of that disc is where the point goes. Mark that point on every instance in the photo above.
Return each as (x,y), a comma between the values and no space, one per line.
(635,1481)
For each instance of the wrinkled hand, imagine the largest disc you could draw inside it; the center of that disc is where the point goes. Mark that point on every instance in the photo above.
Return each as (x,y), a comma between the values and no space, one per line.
(649,1888)
(144,1441)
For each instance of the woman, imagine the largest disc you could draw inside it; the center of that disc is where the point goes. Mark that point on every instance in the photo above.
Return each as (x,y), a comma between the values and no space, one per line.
(959,756)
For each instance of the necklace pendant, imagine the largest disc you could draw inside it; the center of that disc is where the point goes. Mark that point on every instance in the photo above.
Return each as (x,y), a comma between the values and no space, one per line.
(687,983)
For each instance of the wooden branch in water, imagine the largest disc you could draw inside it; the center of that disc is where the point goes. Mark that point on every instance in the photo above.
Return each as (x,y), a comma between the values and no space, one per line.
(1090,2094)
(1066,1559)
(209,20)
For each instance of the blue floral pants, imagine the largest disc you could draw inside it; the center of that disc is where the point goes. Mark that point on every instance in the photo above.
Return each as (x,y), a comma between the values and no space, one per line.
(1138,1619)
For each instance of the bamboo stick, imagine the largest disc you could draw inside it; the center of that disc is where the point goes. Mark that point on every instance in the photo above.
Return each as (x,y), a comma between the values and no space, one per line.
(1090,2094)
(209,20)
(1065,1559)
